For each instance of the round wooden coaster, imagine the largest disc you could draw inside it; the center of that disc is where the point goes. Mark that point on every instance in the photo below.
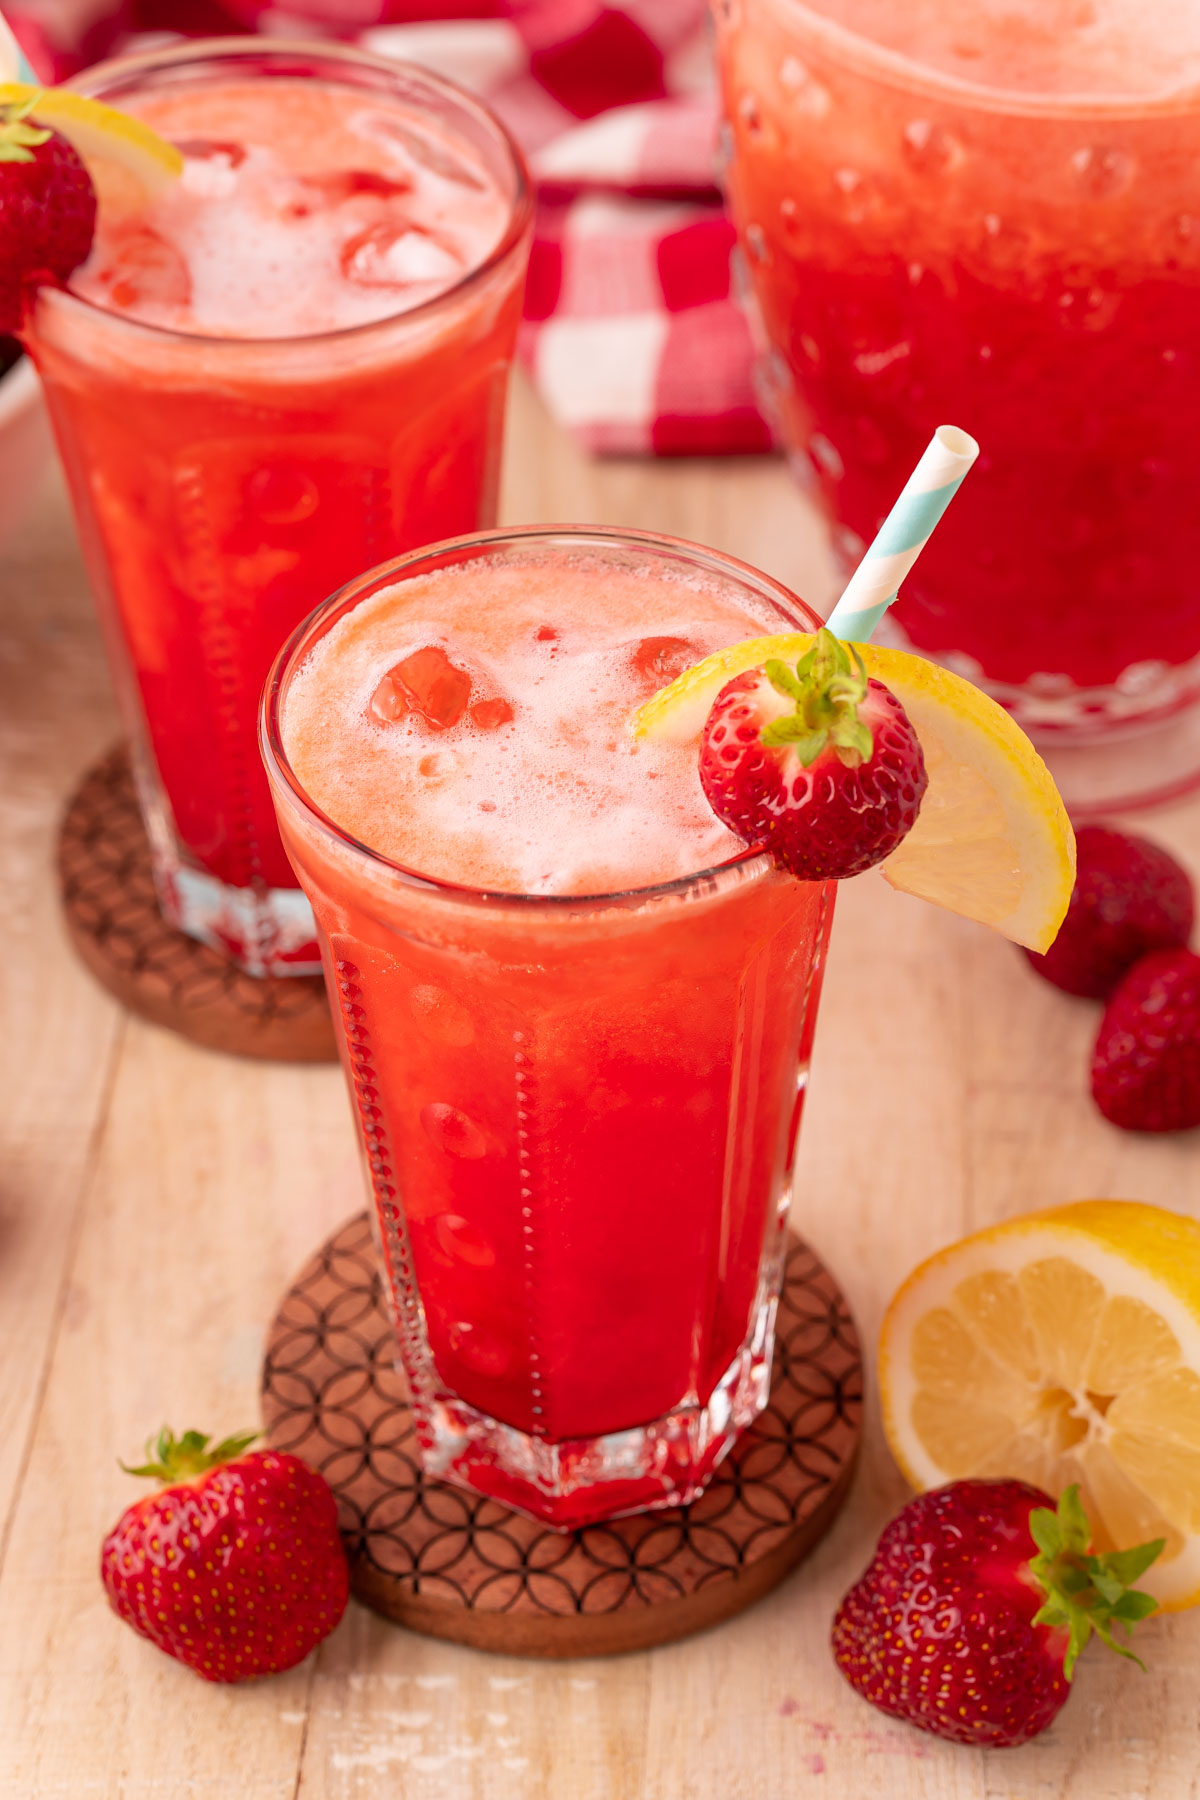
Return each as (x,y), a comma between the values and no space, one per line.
(455,1565)
(114,923)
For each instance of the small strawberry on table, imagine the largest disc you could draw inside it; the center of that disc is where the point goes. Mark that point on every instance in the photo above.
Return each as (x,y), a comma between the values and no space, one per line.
(235,1566)
(1130,897)
(1146,1063)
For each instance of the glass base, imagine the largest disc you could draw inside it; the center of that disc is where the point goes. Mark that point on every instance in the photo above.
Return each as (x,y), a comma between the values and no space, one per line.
(581,1481)
(585,1480)
(265,931)
(570,1482)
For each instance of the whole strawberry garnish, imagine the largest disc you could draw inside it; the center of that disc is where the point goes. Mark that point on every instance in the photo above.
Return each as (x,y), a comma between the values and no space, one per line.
(47,210)
(1130,897)
(978,1601)
(236,1567)
(817,764)
(1146,1063)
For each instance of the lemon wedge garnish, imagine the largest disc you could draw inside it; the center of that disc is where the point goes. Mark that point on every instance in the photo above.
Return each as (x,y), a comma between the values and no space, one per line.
(1061,1347)
(97,131)
(992,840)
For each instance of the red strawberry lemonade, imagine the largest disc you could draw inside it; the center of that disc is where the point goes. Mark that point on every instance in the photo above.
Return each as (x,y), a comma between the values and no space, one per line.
(577,1011)
(285,365)
(990,214)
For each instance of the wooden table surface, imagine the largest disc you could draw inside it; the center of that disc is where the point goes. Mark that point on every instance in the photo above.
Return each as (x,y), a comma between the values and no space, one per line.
(156,1198)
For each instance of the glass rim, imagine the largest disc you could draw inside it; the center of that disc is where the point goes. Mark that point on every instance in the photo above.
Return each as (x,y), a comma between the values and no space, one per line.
(283,778)
(96,82)
(907,72)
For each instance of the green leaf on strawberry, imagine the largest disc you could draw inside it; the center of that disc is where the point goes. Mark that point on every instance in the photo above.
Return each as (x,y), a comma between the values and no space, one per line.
(1086,1593)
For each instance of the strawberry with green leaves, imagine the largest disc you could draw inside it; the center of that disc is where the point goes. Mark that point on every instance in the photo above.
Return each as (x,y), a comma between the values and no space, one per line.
(235,1566)
(47,210)
(816,763)
(980,1597)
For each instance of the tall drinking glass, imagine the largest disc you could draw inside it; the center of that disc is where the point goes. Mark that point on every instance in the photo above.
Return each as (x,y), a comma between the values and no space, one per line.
(287,365)
(991,214)
(575,1012)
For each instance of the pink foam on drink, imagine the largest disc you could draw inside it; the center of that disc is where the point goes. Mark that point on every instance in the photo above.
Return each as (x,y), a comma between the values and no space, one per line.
(302,208)
(559,798)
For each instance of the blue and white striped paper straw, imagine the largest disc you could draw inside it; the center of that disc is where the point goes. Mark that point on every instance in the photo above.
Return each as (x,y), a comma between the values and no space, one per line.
(904,534)
(13,65)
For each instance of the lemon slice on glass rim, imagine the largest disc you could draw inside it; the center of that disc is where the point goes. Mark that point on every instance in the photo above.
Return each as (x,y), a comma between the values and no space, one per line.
(98,131)
(1060,1347)
(992,841)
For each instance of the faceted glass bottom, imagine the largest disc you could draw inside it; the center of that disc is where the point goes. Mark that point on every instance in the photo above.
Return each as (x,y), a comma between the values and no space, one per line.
(582,1481)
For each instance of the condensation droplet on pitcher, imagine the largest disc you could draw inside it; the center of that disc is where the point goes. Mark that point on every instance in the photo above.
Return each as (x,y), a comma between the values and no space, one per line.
(1142,677)
(874,362)
(1185,228)
(847,544)
(756,242)
(724,147)
(930,149)
(804,92)
(1101,171)
(810,347)
(749,114)
(826,455)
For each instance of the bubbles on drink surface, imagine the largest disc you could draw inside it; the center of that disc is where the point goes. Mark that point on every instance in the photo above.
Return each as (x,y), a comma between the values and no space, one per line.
(298,211)
(472,724)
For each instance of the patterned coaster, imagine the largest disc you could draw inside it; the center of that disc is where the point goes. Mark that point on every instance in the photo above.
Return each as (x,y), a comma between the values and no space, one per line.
(456,1565)
(114,923)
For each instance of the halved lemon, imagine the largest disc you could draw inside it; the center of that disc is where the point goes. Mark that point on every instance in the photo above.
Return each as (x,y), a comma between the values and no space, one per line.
(99,131)
(1061,1347)
(992,840)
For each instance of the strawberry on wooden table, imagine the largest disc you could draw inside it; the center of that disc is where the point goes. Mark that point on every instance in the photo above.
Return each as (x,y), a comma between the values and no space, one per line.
(816,762)
(1146,1062)
(1130,897)
(47,210)
(978,1601)
(236,1566)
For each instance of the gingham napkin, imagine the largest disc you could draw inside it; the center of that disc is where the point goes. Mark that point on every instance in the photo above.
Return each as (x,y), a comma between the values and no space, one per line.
(631,331)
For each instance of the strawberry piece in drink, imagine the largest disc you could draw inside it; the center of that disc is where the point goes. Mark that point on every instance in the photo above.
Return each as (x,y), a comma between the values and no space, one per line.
(658,660)
(426,683)
(980,1597)
(146,270)
(817,764)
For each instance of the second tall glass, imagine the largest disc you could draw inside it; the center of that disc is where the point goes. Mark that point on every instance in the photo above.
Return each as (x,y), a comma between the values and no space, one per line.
(225,480)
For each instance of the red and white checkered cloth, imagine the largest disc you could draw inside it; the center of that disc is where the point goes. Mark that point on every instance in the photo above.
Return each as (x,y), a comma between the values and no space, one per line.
(631,331)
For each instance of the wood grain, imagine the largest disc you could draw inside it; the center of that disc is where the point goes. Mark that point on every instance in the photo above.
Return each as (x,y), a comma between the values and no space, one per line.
(155,1199)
